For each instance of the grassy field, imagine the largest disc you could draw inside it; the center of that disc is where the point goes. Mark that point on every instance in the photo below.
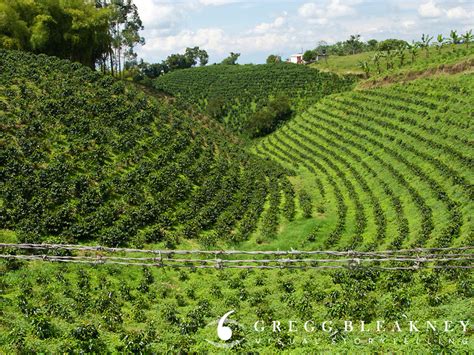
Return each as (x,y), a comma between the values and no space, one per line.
(350,64)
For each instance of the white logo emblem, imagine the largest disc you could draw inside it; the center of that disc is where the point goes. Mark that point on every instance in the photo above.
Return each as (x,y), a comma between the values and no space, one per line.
(224,332)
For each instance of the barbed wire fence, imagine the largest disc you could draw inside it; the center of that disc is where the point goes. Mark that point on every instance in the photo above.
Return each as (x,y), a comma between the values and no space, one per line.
(403,259)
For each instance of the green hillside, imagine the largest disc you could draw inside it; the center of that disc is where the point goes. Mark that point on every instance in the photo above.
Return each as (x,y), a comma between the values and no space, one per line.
(388,168)
(395,62)
(85,158)
(239,90)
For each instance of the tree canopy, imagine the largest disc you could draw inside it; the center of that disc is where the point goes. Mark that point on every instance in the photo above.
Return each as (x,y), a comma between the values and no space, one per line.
(189,59)
(231,59)
(85,31)
(273,58)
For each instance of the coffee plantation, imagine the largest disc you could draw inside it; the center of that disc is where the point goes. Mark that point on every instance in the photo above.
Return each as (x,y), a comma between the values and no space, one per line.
(87,159)
(233,92)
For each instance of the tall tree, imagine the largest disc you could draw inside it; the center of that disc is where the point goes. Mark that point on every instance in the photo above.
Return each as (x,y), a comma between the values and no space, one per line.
(195,54)
(354,43)
(425,43)
(454,38)
(231,59)
(273,58)
(440,40)
(413,49)
(376,60)
(124,28)
(187,60)
(14,32)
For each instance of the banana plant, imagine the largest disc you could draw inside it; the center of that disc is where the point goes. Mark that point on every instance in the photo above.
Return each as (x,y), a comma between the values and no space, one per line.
(467,38)
(440,41)
(413,49)
(388,55)
(376,60)
(365,67)
(400,53)
(425,43)
(454,39)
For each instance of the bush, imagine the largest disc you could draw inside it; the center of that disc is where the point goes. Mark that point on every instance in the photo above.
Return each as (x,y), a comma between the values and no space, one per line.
(267,119)
(391,44)
(306,204)
(216,108)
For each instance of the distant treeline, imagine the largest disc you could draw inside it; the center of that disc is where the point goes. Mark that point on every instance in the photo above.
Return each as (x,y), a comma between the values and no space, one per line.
(351,46)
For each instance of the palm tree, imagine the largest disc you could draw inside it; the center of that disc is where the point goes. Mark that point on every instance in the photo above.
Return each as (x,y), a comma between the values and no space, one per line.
(376,60)
(467,38)
(440,42)
(365,67)
(413,49)
(425,43)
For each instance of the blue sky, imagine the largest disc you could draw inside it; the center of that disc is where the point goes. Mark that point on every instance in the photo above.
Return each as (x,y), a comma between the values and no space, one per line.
(259,28)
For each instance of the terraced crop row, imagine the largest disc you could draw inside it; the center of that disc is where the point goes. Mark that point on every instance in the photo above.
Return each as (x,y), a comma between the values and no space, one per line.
(398,164)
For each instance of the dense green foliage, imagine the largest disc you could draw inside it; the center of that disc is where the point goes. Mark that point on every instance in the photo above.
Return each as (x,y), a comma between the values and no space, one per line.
(273,59)
(70,308)
(86,158)
(350,46)
(245,89)
(394,167)
(231,59)
(144,73)
(90,32)
(77,31)
(266,119)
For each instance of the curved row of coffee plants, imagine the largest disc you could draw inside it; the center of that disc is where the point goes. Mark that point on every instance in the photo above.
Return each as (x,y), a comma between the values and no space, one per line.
(238,90)
(399,164)
(333,138)
(313,165)
(86,158)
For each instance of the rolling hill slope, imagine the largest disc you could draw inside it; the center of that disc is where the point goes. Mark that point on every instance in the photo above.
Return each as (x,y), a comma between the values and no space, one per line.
(243,89)
(85,158)
(391,167)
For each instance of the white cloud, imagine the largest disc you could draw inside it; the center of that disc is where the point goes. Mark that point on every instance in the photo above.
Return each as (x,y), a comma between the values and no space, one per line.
(158,15)
(429,9)
(320,14)
(408,24)
(336,9)
(310,10)
(209,38)
(264,27)
(217,2)
(217,42)
(458,12)
(171,26)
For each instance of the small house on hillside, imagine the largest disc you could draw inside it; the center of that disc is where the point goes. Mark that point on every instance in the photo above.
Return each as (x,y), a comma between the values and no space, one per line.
(296,59)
